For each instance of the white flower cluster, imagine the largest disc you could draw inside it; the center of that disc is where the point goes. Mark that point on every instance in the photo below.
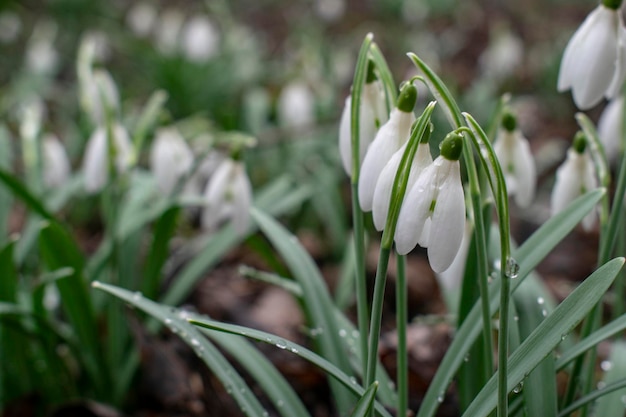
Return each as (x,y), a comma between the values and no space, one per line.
(594,61)
(433,210)
(196,37)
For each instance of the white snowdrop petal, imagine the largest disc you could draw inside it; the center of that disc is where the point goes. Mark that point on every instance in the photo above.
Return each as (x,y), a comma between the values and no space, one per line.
(95,161)
(414,212)
(525,172)
(620,63)
(56,164)
(242,194)
(448,221)
(610,127)
(570,57)
(170,158)
(345,137)
(383,189)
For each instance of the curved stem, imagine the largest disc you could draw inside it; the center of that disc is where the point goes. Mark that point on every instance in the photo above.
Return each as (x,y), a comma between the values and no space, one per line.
(401,323)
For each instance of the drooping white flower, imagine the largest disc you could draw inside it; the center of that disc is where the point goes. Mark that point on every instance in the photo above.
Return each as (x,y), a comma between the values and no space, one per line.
(200,39)
(575,177)
(170,158)
(55,163)
(99,93)
(516,159)
(610,128)
(594,61)
(330,10)
(141,18)
(96,160)
(167,31)
(41,55)
(296,106)
(390,137)
(433,211)
(384,185)
(198,180)
(503,55)
(228,195)
(372,115)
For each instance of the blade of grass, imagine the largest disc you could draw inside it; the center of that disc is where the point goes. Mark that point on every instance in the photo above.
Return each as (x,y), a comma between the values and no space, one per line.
(317,302)
(548,335)
(210,355)
(612,405)
(365,406)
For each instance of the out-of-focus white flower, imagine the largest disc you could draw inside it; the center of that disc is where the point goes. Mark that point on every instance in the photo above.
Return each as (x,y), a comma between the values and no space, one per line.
(433,211)
(11,26)
(198,180)
(41,56)
(296,106)
(228,195)
(330,10)
(516,159)
(200,39)
(99,92)
(384,185)
(55,163)
(574,178)
(170,158)
(141,18)
(100,40)
(390,137)
(167,31)
(503,55)
(372,115)
(594,61)
(610,128)
(96,160)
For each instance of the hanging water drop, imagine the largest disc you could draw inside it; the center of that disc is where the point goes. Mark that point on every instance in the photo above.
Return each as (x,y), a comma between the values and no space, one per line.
(511,269)
(281,344)
(137,296)
(540,300)
(606,365)
(518,388)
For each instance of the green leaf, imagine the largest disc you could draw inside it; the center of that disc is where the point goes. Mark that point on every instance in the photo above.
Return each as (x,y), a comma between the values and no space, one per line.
(534,249)
(164,229)
(310,356)
(148,118)
(6,200)
(606,331)
(176,320)
(548,335)
(365,405)
(58,251)
(318,304)
(592,396)
(612,405)
(23,193)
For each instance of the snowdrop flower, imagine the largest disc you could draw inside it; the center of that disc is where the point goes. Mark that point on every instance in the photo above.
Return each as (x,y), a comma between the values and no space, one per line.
(96,161)
(200,39)
(574,178)
(11,25)
(228,195)
(296,106)
(610,128)
(141,18)
(372,115)
(170,158)
(167,31)
(55,163)
(391,136)
(384,185)
(594,60)
(99,93)
(433,211)
(517,162)
(330,10)
(41,56)
(503,55)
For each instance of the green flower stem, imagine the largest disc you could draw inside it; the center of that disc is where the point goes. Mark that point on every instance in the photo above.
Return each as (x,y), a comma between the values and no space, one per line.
(377,312)
(402,380)
(508,267)
(357,214)
(450,107)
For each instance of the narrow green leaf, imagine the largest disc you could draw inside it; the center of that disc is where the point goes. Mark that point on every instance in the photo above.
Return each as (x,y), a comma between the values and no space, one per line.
(163,231)
(6,199)
(148,118)
(319,361)
(318,304)
(58,251)
(612,405)
(23,193)
(548,334)
(534,249)
(176,320)
(592,396)
(365,406)
(606,331)
(539,390)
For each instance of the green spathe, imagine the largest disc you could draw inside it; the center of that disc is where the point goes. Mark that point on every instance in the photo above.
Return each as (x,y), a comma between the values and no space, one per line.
(407,99)
(612,4)
(452,146)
